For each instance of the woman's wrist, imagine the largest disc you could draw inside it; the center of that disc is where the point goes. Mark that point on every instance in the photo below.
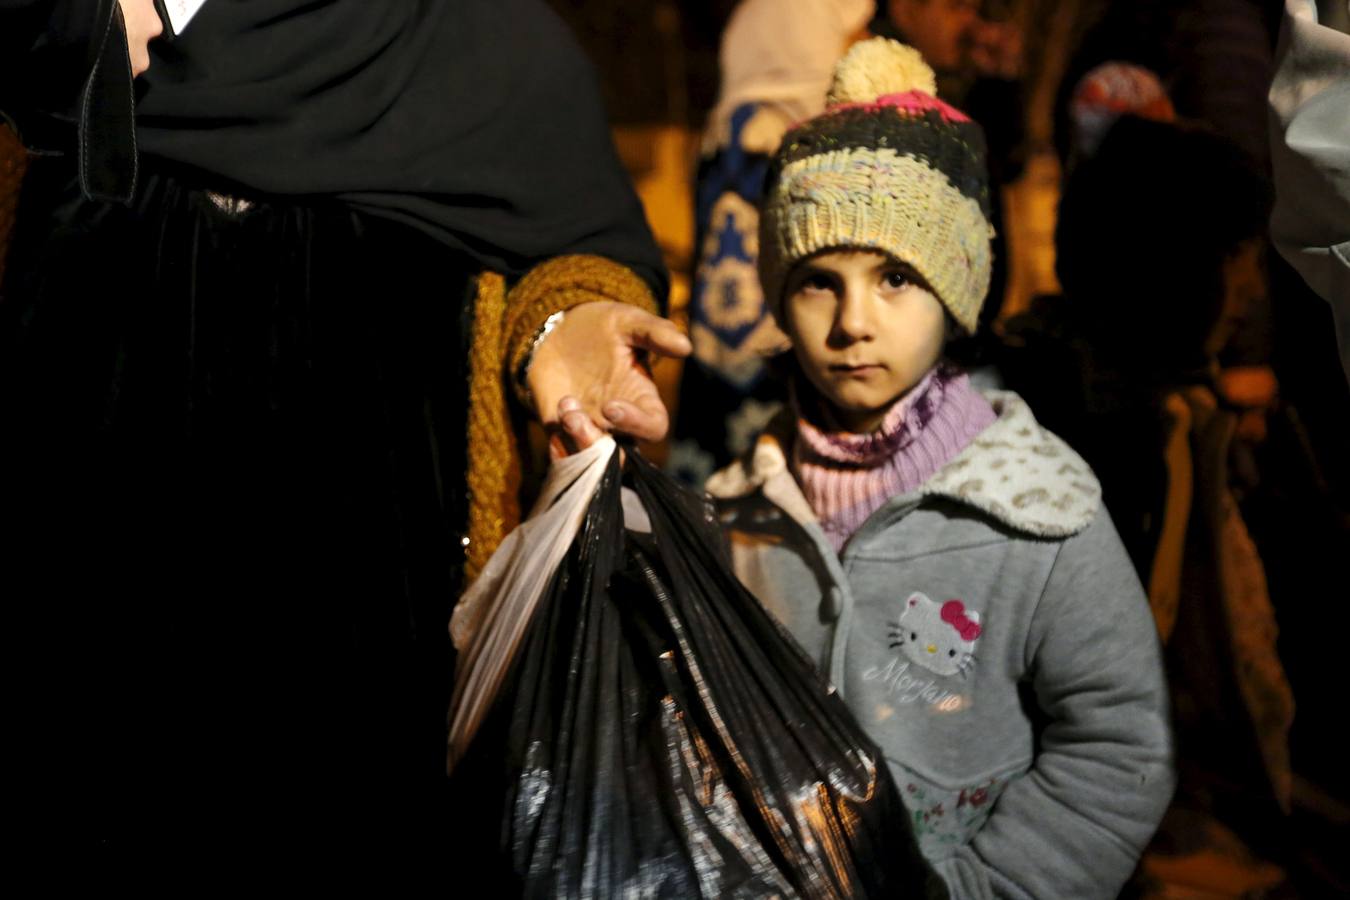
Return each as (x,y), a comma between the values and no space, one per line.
(522,372)
(557,285)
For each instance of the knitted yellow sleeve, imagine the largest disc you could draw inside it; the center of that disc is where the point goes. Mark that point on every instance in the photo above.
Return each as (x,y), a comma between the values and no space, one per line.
(504,326)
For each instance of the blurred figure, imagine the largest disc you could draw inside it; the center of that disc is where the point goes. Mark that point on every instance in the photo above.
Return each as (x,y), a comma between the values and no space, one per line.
(1160,243)
(1155,235)
(776,59)
(979,63)
(1212,59)
(1106,93)
(955,38)
(943,31)
(1212,56)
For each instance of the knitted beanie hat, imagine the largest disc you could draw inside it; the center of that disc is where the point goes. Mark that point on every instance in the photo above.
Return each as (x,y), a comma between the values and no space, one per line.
(888,167)
(1112,90)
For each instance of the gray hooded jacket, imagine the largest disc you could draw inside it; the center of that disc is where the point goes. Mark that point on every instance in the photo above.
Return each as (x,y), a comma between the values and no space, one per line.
(991,635)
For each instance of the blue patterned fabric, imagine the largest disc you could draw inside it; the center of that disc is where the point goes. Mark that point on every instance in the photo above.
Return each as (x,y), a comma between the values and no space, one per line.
(724,396)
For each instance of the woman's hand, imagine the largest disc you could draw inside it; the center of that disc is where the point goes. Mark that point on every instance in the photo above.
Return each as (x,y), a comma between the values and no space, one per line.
(143,25)
(592,358)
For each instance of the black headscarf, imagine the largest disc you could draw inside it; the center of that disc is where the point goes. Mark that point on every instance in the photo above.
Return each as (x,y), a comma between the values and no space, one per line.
(476,121)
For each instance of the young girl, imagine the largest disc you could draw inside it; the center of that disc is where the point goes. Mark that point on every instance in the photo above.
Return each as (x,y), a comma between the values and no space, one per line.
(946,561)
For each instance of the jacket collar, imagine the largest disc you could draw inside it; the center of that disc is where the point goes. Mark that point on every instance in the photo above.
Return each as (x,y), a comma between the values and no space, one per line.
(1014,471)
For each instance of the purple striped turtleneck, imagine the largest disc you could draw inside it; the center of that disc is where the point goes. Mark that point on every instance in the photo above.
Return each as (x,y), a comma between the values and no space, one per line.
(846,477)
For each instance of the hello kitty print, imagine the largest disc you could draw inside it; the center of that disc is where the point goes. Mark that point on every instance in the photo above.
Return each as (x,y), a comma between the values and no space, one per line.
(940,637)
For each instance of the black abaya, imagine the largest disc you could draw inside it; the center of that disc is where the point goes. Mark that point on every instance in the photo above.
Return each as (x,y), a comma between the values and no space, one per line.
(235,445)
(235,455)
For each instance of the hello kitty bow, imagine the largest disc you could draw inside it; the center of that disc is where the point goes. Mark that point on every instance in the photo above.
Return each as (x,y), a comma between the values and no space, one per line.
(954,614)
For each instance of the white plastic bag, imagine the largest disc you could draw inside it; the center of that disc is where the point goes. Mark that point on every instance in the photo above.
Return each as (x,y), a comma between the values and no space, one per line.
(492,616)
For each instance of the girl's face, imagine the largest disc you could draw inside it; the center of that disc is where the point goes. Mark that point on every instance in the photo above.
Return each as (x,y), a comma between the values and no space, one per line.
(864,330)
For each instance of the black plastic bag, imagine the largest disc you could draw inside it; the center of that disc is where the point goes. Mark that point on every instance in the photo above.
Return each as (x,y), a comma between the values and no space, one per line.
(661,735)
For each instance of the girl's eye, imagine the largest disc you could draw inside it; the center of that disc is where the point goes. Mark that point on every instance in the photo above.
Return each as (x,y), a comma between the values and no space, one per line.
(896,280)
(817,282)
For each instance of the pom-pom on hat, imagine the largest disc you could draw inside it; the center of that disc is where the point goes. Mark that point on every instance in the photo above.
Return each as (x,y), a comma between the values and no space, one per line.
(887,167)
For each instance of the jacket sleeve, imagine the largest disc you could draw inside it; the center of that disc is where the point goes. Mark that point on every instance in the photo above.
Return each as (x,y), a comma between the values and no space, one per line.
(1076,824)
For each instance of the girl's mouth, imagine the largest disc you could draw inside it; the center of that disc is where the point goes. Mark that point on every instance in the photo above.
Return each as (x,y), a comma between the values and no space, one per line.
(855,370)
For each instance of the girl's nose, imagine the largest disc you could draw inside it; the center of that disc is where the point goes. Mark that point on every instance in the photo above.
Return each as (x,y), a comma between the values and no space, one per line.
(853,321)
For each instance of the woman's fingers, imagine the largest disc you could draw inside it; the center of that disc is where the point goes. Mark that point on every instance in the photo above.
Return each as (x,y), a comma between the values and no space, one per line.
(645,419)
(578,431)
(648,332)
(590,360)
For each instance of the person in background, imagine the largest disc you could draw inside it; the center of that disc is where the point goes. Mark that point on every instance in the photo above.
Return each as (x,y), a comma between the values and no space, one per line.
(1212,59)
(1107,92)
(979,64)
(776,57)
(1158,428)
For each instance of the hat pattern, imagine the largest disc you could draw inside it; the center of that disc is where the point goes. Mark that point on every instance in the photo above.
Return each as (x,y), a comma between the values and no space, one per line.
(903,173)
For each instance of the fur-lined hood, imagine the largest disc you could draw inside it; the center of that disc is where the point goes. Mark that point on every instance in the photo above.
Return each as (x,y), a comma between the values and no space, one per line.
(1015,471)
